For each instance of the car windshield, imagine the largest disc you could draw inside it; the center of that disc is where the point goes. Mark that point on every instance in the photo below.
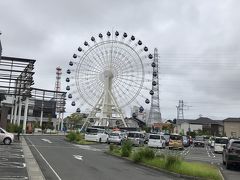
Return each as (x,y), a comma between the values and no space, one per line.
(154,137)
(175,137)
(185,138)
(221,141)
(166,136)
(114,134)
(236,144)
(199,138)
(135,135)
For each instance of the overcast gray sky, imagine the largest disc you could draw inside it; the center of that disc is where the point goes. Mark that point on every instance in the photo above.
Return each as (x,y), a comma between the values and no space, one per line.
(198,44)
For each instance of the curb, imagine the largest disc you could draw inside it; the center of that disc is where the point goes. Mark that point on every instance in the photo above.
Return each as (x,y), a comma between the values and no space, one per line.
(33,170)
(158,169)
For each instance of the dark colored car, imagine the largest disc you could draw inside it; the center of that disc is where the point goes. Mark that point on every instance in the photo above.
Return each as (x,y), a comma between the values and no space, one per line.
(186,141)
(231,153)
(199,141)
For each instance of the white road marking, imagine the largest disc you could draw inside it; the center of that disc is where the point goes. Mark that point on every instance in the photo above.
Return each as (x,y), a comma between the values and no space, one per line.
(13,178)
(46,140)
(78,157)
(44,159)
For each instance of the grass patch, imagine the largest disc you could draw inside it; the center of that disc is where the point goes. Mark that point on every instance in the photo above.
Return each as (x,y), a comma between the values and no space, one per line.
(196,169)
(78,138)
(142,154)
(172,163)
(126,149)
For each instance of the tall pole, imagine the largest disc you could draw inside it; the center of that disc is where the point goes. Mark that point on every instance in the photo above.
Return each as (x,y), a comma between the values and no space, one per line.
(58,98)
(25,115)
(15,110)
(19,111)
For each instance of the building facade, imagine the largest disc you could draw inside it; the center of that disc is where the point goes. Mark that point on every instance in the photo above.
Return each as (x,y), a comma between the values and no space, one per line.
(232,127)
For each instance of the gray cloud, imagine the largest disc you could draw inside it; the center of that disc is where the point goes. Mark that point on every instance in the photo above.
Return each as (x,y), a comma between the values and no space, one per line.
(198,43)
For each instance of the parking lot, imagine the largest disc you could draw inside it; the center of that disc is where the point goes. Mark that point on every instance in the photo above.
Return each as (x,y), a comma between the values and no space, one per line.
(12,163)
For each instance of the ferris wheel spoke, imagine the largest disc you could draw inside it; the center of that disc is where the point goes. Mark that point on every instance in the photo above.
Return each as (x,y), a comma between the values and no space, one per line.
(138,86)
(124,93)
(99,60)
(123,84)
(92,66)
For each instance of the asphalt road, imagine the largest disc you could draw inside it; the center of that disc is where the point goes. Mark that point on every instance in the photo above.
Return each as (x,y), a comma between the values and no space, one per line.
(62,160)
(12,162)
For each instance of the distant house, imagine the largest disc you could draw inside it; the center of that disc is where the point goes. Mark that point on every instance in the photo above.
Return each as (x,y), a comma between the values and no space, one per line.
(232,127)
(184,125)
(207,125)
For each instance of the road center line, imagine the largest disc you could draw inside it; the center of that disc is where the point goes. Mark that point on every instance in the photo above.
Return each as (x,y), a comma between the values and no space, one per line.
(44,159)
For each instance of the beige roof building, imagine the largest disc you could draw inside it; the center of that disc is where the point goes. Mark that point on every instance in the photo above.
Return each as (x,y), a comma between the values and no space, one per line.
(232,127)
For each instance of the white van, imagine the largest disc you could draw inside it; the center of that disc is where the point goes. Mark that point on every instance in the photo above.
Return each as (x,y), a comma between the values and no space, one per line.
(156,140)
(96,134)
(219,143)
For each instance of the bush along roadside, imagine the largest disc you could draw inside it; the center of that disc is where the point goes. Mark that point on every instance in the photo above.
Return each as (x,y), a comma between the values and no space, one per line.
(77,138)
(170,163)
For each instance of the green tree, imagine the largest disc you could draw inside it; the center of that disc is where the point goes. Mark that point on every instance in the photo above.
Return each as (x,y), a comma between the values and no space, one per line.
(75,120)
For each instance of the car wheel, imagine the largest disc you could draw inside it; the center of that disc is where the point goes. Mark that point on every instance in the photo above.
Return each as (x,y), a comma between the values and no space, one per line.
(100,140)
(7,141)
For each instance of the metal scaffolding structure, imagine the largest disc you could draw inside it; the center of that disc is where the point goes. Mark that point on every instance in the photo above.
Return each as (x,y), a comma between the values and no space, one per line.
(16,79)
(45,103)
(155,114)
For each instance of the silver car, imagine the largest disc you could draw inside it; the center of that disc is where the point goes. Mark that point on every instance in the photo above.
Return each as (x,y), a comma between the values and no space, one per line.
(116,137)
(137,138)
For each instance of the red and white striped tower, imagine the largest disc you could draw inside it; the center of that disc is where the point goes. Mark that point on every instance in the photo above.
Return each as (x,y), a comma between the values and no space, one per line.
(57,96)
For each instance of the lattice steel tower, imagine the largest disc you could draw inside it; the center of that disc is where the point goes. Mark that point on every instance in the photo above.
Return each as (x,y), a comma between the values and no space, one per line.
(155,114)
(180,109)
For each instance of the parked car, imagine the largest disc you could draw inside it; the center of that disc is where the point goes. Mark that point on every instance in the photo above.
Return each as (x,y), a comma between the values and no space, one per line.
(37,130)
(231,153)
(219,143)
(6,137)
(116,137)
(96,134)
(137,138)
(186,141)
(175,142)
(199,141)
(156,140)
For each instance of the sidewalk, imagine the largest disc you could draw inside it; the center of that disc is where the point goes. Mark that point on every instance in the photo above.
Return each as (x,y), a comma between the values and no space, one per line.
(34,172)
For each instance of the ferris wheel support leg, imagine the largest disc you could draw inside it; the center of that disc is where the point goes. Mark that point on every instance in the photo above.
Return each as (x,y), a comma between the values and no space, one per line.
(84,126)
(118,109)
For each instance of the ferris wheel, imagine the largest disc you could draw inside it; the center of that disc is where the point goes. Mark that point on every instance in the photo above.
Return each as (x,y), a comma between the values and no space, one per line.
(108,73)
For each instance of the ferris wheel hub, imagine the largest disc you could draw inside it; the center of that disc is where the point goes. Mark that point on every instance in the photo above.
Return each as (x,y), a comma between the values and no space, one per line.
(107,74)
